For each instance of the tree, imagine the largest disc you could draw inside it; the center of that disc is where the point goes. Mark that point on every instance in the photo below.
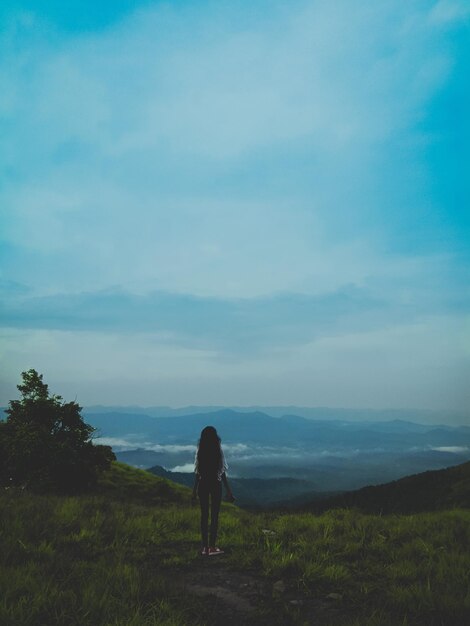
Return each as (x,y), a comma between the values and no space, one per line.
(45,443)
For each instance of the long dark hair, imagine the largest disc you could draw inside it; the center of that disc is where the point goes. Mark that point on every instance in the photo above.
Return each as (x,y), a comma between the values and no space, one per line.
(209,452)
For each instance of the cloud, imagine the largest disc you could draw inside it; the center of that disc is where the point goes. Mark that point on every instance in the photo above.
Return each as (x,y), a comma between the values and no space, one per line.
(170,448)
(209,323)
(182,318)
(206,83)
(235,448)
(242,325)
(134,440)
(187,468)
(217,154)
(246,204)
(118,443)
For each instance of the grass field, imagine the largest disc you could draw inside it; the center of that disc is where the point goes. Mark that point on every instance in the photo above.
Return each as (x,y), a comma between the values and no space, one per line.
(121,556)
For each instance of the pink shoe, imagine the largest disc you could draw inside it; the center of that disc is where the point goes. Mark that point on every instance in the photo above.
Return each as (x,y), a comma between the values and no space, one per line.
(213,551)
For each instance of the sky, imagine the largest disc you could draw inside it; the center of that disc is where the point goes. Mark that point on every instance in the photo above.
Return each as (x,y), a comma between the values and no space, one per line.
(237,202)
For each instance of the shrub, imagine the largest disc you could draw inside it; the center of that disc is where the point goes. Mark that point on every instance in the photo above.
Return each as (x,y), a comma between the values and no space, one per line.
(45,445)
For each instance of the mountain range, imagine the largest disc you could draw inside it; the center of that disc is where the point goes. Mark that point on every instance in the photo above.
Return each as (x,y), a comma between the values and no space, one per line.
(295,456)
(427,416)
(263,429)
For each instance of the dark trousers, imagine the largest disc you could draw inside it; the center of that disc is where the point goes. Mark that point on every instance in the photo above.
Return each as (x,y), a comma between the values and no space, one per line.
(212,488)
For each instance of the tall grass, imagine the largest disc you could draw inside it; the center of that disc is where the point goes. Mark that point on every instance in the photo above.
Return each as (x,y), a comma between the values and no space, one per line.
(97,559)
(414,569)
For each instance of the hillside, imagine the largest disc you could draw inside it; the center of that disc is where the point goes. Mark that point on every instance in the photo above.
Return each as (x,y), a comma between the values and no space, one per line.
(429,491)
(128,555)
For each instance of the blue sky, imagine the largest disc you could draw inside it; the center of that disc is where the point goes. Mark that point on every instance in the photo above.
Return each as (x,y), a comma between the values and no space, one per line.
(236,202)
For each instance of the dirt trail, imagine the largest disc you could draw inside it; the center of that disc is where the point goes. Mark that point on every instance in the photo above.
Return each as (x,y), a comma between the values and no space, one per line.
(235,596)
(244,598)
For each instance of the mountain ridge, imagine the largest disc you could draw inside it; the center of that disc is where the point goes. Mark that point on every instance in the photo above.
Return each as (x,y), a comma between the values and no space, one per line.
(263,427)
(434,416)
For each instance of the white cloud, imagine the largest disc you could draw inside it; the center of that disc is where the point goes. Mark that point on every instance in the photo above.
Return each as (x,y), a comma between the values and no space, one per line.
(187,468)
(235,448)
(118,443)
(134,441)
(170,448)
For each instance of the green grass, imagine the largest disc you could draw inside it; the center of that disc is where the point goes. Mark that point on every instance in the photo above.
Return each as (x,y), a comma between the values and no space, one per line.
(114,558)
(415,569)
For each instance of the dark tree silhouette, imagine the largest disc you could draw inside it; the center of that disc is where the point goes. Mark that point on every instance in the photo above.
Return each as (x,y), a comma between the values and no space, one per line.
(45,444)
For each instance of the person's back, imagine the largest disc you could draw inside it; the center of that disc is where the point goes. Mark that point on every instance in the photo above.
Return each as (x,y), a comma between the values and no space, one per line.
(210,470)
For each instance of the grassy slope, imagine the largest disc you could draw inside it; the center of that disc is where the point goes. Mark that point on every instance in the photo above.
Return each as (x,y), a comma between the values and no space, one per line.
(116,557)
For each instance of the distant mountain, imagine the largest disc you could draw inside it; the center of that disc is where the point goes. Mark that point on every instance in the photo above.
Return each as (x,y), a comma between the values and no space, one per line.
(293,430)
(429,491)
(331,455)
(318,413)
(422,417)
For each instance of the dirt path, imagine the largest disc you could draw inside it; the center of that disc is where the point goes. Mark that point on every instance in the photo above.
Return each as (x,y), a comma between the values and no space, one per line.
(244,598)
(234,597)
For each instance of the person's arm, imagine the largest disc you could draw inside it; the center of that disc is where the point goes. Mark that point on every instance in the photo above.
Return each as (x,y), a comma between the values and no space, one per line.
(230,496)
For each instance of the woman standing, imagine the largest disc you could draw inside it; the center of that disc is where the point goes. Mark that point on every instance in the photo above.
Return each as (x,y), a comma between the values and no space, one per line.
(210,468)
